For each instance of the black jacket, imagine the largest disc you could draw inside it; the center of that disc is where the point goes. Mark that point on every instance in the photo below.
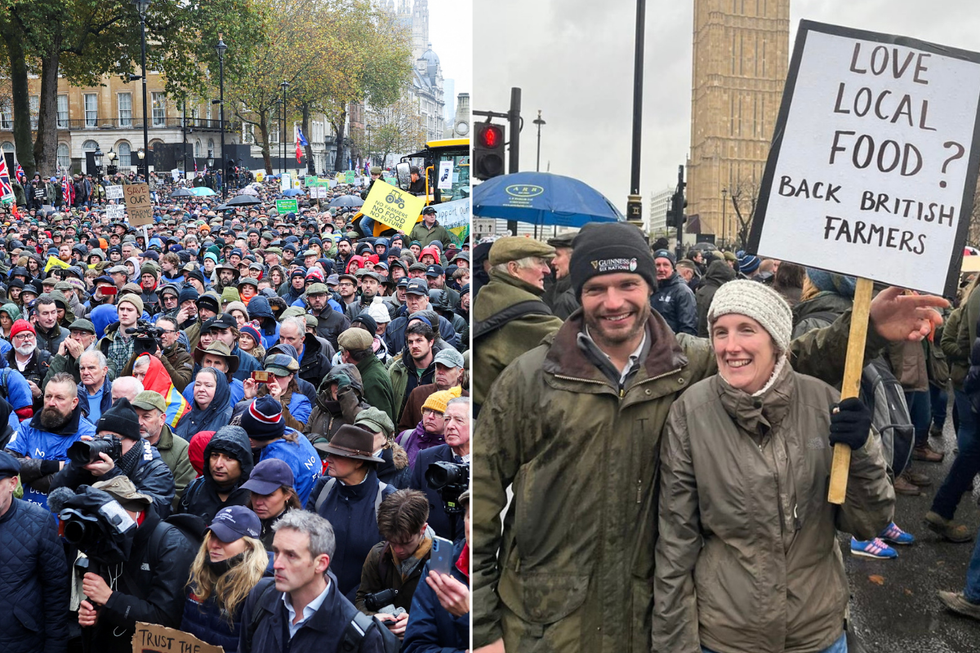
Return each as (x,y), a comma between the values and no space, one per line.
(315,365)
(675,302)
(33,582)
(151,477)
(150,587)
(201,496)
(331,324)
(448,527)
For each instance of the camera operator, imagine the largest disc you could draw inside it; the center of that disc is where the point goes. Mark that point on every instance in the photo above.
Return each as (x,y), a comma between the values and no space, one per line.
(34,604)
(456,452)
(119,450)
(42,444)
(147,587)
(396,563)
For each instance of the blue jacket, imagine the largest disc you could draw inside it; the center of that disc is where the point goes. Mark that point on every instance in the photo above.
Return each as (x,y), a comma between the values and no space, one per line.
(321,633)
(260,310)
(301,457)
(395,333)
(236,388)
(450,528)
(431,629)
(33,582)
(675,302)
(32,441)
(350,510)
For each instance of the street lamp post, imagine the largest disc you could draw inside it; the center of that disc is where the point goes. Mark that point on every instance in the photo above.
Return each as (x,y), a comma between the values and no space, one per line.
(97,157)
(634,206)
(220,48)
(110,168)
(142,6)
(282,139)
(724,214)
(538,121)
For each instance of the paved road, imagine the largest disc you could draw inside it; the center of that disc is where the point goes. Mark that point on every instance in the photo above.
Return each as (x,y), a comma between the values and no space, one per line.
(903,614)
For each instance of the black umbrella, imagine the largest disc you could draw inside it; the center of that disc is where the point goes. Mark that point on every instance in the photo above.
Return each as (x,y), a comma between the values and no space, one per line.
(346,200)
(181,192)
(243,200)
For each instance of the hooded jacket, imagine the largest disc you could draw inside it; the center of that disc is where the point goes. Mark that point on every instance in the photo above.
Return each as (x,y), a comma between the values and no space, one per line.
(718,273)
(675,301)
(329,415)
(260,310)
(746,532)
(315,365)
(216,415)
(201,496)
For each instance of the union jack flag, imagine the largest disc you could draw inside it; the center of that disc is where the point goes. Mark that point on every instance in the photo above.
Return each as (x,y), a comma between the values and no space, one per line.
(6,189)
(68,191)
(20,173)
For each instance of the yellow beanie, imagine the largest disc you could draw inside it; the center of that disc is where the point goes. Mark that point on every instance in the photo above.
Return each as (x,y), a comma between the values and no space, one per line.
(437,401)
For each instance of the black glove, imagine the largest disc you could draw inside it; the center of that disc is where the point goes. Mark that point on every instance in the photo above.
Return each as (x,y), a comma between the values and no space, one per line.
(850,423)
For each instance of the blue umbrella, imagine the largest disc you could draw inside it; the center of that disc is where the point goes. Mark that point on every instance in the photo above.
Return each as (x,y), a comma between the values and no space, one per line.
(202,191)
(542,198)
(292,192)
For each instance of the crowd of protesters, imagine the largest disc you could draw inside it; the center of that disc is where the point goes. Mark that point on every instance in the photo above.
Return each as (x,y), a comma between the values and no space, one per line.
(246,405)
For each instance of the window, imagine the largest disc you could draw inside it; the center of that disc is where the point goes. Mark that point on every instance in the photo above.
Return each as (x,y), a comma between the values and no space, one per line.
(159,109)
(91,110)
(197,149)
(64,158)
(211,146)
(125,101)
(125,155)
(35,107)
(63,112)
(248,133)
(6,115)
(193,121)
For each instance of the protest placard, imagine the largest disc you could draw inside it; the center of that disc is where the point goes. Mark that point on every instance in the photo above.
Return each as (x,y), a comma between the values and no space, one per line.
(392,206)
(873,166)
(286,206)
(455,217)
(115,212)
(138,204)
(151,638)
(872,172)
(113,192)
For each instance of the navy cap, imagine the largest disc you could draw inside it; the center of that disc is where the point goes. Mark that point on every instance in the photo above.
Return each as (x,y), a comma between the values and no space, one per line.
(9,466)
(418,287)
(403,282)
(222,321)
(235,522)
(268,476)
(104,279)
(434,271)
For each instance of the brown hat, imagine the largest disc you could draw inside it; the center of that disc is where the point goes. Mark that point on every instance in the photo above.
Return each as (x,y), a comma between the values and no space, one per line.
(218,348)
(355,339)
(513,248)
(351,442)
(122,490)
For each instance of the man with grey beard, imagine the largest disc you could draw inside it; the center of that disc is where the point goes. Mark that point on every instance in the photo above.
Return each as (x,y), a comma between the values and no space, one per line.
(25,357)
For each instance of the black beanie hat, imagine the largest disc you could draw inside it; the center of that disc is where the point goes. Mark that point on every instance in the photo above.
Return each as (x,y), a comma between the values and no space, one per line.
(609,249)
(121,419)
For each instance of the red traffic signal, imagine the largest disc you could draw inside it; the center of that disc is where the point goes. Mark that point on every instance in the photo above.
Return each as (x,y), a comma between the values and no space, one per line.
(491,136)
(488,151)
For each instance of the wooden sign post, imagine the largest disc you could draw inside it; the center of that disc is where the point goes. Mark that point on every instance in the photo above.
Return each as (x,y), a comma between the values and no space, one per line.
(872,172)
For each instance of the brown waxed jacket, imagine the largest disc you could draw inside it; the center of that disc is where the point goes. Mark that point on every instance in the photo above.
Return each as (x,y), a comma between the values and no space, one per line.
(572,569)
(747,557)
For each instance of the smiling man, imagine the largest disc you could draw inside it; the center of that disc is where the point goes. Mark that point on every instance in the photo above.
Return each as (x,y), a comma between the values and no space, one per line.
(573,428)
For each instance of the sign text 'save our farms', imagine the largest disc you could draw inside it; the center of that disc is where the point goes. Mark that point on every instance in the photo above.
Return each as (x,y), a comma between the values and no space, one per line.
(874,161)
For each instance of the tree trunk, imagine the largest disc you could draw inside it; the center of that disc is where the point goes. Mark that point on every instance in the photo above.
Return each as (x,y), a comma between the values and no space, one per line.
(339,128)
(46,145)
(310,164)
(21,102)
(264,130)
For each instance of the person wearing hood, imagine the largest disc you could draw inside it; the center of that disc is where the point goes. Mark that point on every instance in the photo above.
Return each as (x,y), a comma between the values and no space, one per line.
(271,438)
(272,494)
(338,402)
(260,311)
(138,460)
(348,498)
(719,272)
(66,315)
(42,444)
(211,407)
(673,299)
(227,466)
(230,562)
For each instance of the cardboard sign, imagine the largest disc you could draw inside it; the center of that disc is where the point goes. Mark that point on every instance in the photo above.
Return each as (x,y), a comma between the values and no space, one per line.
(113,192)
(151,638)
(873,165)
(392,206)
(138,204)
(445,175)
(453,214)
(115,212)
(287,206)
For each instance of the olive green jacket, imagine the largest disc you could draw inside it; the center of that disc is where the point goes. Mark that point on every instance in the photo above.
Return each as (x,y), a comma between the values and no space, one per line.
(572,569)
(959,360)
(746,531)
(173,451)
(499,348)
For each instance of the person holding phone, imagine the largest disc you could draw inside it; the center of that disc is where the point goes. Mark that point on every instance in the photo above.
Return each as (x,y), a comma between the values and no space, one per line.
(278,381)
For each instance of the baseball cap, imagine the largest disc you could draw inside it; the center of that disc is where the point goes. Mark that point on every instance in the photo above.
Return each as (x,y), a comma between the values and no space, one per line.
(434,271)
(449,357)
(268,476)
(417,287)
(235,522)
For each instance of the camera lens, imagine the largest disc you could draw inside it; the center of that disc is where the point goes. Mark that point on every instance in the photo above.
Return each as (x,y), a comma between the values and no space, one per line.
(75,531)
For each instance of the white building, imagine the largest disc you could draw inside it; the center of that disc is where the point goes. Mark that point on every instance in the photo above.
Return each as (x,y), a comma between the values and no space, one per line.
(656,222)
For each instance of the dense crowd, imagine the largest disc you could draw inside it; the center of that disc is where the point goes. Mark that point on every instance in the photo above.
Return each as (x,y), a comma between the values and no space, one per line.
(249,426)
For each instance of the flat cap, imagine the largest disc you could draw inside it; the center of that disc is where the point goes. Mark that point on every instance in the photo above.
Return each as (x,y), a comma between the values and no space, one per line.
(81,324)
(149,400)
(355,339)
(513,248)
(562,240)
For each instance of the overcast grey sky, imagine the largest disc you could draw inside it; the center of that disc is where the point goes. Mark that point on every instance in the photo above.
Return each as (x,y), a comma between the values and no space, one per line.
(573,59)
(451,33)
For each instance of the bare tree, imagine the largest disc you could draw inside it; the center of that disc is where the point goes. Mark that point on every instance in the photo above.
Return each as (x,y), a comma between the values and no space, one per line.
(973,234)
(744,195)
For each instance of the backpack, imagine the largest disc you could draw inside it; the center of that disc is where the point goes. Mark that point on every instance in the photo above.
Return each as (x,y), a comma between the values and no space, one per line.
(325,490)
(882,393)
(353,636)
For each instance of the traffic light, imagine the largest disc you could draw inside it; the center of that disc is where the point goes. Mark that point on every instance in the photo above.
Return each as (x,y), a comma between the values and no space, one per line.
(678,203)
(488,151)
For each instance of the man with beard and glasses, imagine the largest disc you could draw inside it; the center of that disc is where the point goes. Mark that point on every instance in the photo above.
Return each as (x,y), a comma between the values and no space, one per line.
(509,317)
(573,427)
(42,444)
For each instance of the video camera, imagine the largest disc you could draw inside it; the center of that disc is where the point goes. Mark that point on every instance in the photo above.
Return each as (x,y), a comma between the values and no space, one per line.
(146,338)
(83,452)
(94,522)
(450,480)
(382,602)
